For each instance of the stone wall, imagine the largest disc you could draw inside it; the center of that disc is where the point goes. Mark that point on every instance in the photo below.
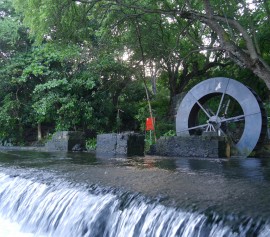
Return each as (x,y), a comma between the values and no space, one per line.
(190,146)
(123,144)
(66,141)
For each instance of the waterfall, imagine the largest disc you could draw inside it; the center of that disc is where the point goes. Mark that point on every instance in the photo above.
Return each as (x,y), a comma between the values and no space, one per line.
(60,208)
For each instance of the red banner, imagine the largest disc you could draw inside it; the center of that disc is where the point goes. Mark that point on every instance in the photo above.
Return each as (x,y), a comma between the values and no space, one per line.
(149,124)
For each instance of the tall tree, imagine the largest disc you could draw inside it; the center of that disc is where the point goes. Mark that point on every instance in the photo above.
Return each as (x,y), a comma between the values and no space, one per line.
(233,32)
(235,23)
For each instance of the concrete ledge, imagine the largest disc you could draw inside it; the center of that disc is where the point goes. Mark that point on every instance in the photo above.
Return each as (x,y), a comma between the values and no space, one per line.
(190,146)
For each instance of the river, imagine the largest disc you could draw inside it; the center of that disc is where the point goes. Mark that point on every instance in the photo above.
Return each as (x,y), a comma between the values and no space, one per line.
(79,194)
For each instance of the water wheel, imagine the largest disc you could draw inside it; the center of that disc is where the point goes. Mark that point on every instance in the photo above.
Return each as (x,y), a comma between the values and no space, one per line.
(226,107)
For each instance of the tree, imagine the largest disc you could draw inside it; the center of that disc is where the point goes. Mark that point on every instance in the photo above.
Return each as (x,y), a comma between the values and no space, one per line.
(13,39)
(61,84)
(220,30)
(184,40)
(236,35)
(232,22)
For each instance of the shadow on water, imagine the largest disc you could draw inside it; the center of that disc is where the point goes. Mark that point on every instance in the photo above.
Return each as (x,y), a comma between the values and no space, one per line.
(248,168)
(43,159)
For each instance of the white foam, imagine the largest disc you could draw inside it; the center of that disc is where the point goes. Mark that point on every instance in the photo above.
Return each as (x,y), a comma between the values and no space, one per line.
(11,229)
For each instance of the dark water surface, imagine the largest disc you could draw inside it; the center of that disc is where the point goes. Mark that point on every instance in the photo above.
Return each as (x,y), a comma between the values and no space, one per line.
(190,197)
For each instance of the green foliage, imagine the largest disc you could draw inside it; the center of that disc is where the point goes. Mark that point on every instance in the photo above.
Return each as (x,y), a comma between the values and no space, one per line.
(91,144)
(9,31)
(149,140)
(10,119)
(63,83)
(68,18)
(170,133)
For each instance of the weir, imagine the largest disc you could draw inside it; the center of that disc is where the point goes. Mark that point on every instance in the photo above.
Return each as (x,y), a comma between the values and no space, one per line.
(77,194)
(64,209)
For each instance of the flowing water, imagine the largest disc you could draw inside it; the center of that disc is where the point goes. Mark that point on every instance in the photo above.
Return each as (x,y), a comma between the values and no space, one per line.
(78,194)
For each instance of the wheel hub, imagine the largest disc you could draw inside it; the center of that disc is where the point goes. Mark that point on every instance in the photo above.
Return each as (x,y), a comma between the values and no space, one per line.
(215,120)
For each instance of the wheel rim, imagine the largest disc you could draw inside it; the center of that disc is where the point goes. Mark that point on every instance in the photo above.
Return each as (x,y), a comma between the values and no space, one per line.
(249,119)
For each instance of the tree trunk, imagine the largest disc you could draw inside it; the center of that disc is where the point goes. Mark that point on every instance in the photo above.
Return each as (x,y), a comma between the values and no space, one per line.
(247,56)
(262,72)
(39,132)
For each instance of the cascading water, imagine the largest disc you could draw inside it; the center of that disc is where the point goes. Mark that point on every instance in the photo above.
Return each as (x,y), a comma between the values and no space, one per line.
(31,208)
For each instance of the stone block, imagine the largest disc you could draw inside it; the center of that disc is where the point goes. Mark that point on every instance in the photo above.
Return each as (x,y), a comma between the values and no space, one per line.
(190,146)
(121,145)
(66,141)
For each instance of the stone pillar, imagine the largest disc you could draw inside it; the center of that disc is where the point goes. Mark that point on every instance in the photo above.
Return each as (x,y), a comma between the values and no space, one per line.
(66,141)
(191,146)
(121,145)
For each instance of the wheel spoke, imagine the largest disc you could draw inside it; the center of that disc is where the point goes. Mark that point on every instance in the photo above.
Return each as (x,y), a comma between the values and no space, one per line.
(231,137)
(227,106)
(195,127)
(220,103)
(210,128)
(210,111)
(222,98)
(221,130)
(234,119)
(203,109)
(200,105)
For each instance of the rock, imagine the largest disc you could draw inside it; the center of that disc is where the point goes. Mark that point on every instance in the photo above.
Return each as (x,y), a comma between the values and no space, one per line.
(77,147)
